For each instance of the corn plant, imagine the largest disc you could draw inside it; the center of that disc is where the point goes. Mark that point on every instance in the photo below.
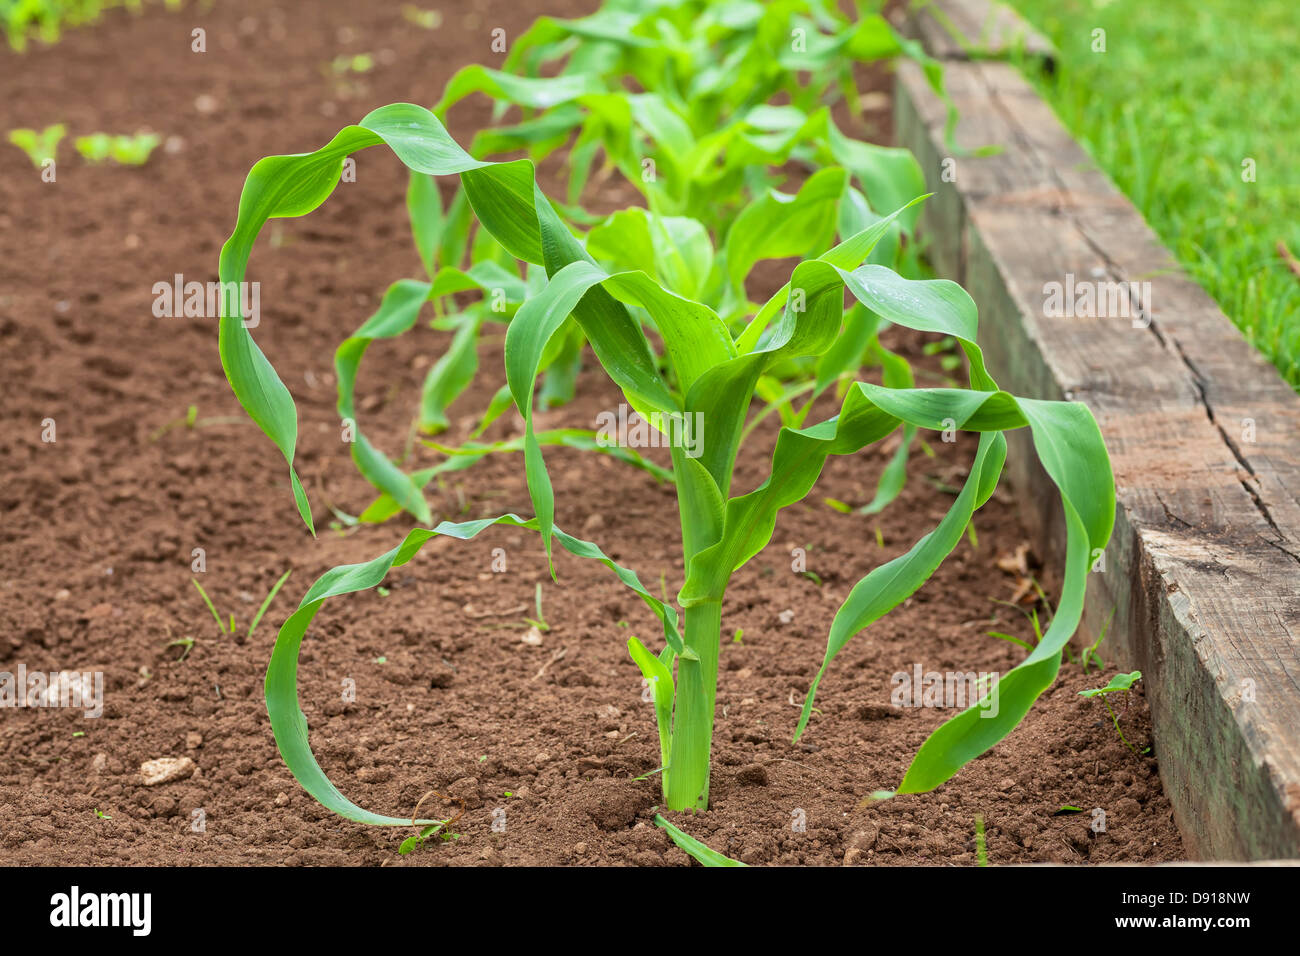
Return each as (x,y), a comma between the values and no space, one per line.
(714,374)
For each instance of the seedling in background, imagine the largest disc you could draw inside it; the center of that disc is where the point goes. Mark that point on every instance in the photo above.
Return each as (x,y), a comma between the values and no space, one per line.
(1032,615)
(41,146)
(1090,655)
(427,833)
(191,420)
(46,19)
(212,607)
(981,849)
(230,629)
(707,371)
(540,621)
(344,70)
(1119,684)
(432,828)
(125,150)
(1001,636)
(357,63)
(425,19)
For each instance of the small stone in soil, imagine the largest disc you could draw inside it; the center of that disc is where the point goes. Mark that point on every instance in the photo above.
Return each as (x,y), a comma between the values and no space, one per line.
(166,769)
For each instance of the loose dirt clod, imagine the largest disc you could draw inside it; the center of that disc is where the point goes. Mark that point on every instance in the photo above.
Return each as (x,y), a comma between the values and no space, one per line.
(614,804)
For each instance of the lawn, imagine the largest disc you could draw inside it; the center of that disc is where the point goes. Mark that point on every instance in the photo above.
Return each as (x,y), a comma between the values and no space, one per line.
(1192,109)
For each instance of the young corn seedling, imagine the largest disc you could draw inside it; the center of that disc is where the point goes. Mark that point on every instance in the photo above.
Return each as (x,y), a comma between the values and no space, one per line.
(711,383)
(41,146)
(125,150)
(230,628)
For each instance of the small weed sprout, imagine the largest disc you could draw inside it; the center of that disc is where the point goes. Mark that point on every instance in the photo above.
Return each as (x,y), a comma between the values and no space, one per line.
(1120,683)
(441,829)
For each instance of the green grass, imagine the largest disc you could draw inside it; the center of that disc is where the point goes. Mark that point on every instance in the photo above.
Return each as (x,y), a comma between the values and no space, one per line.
(1184,93)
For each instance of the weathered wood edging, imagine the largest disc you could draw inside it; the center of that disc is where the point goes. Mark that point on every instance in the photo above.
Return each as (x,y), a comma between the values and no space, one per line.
(1203,573)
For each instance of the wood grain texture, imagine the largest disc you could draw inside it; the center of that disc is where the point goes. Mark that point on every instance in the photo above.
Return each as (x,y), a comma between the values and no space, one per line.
(1202,575)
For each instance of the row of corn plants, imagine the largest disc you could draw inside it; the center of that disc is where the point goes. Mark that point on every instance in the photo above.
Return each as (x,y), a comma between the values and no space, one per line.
(705,150)
(679,359)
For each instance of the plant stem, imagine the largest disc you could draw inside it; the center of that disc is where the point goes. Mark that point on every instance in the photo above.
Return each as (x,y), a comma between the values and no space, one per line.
(1115,720)
(686,785)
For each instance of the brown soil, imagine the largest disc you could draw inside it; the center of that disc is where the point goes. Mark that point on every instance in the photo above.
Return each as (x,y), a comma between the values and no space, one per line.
(98,530)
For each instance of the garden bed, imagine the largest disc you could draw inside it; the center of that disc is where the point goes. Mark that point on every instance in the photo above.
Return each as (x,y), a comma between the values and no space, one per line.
(101,527)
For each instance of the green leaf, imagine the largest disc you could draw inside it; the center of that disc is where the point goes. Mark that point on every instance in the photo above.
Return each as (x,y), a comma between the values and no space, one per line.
(396,314)
(1071,449)
(660,677)
(693,847)
(275,589)
(424,205)
(450,375)
(525,91)
(1117,683)
(694,336)
(776,225)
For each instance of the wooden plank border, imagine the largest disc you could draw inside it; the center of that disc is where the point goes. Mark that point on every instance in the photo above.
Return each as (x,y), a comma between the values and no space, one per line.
(1202,576)
(976,30)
